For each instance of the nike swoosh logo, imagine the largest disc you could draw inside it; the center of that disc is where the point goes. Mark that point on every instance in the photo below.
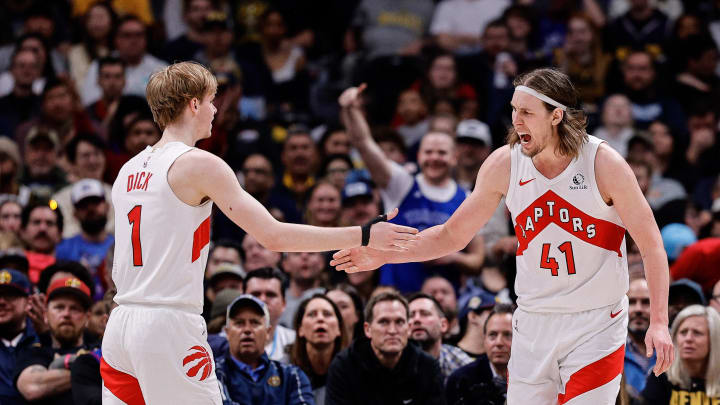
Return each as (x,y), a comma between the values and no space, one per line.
(615,314)
(522,183)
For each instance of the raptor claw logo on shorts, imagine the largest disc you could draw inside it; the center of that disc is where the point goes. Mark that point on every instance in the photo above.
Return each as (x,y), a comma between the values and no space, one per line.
(200,359)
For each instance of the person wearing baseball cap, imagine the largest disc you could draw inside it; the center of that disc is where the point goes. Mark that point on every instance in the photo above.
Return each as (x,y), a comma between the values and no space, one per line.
(245,372)
(474,144)
(92,244)
(43,370)
(16,330)
(473,316)
(358,203)
(224,276)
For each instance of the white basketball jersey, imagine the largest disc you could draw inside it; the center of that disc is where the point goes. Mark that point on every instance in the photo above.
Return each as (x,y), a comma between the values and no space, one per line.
(571,245)
(160,242)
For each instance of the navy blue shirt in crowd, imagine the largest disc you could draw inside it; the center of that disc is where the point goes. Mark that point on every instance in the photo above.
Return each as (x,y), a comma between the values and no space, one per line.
(418,211)
(9,395)
(271,383)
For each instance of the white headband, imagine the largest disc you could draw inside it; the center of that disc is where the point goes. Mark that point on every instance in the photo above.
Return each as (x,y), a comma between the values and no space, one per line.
(541,96)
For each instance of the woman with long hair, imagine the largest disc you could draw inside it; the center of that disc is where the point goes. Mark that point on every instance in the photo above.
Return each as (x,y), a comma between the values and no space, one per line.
(98,26)
(324,205)
(320,335)
(351,306)
(696,370)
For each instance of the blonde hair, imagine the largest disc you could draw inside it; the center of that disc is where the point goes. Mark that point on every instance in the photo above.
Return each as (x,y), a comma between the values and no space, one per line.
(557,86)
(678,374)
(170,89)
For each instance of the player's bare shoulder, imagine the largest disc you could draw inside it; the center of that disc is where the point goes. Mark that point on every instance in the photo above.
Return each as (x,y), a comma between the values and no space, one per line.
(494,174)
(191,172)
(611,171)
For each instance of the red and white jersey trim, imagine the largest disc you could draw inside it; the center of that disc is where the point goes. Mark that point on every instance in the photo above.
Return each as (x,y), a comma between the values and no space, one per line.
(571,245)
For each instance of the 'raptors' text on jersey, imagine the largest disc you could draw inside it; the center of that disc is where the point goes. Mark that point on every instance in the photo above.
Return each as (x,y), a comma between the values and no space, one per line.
(160,242)
(571,245)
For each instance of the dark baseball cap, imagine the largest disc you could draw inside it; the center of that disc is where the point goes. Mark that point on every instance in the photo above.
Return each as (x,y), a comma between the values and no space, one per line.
(478,303)
(691,288)
(14,258)
(14,281)
(356,189)
(70,286)
(248,301)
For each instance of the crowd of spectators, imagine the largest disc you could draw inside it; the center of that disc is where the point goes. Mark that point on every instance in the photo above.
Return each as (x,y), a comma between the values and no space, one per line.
(434,103)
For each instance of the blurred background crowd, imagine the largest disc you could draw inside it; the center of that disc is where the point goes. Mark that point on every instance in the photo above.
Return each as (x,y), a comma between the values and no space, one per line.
(73,111)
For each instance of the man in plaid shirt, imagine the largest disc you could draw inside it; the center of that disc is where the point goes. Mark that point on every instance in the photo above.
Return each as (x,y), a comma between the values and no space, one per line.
(428,323)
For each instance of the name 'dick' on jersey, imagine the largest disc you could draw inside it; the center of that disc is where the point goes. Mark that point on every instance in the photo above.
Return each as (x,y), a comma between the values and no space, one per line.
(571,253)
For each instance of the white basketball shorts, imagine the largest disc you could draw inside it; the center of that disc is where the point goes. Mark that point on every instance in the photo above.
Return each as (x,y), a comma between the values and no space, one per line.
(157,355)
(568,358)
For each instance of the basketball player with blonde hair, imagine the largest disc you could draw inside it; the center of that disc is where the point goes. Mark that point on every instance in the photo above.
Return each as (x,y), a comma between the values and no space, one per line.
(572,198)
(155,348)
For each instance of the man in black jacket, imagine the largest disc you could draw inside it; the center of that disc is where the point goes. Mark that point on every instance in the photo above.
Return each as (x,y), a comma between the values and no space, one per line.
(384,369)
(484,381)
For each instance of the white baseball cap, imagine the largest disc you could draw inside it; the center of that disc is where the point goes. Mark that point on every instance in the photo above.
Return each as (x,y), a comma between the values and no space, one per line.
(474,129)
(86,188)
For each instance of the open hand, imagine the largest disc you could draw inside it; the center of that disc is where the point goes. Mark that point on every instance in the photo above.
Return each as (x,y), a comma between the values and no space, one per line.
(392,237)
(357,259)
(658,338)
(351,96)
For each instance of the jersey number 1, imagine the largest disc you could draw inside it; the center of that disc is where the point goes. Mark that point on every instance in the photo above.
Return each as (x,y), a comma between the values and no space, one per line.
(551,264)
(134,218)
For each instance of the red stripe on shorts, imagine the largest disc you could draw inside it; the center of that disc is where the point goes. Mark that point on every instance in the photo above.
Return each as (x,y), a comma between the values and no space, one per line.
(201,237)
(594,375)
(124,386)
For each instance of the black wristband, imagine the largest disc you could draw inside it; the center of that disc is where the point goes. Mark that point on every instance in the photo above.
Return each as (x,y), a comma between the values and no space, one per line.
(366,228)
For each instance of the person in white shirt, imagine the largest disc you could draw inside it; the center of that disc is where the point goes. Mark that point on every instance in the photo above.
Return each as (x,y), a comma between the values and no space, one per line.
(131,47)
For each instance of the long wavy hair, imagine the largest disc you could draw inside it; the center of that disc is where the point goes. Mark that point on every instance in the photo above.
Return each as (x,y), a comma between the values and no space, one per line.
(298,350)
(557,85)
(678,374)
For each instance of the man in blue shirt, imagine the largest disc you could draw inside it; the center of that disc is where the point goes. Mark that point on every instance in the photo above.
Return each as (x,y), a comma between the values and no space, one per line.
(424,200)
(637,364)
(89,247)
(246,374)
(16,331)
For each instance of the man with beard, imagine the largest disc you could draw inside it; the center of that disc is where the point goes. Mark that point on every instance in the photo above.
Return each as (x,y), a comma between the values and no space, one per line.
(484,381)
(637,365)
(86,155)
(424,200)
(384,368)
(16,331)
(90,247)
(42,175)
(304,269)
(474,144)
(572,199)
(40,229)
(427,326)
(42,374)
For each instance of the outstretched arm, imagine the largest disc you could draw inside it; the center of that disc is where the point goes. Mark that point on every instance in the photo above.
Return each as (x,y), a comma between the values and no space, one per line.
(492,183)
(359,131)
(198,174)
(617,182)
